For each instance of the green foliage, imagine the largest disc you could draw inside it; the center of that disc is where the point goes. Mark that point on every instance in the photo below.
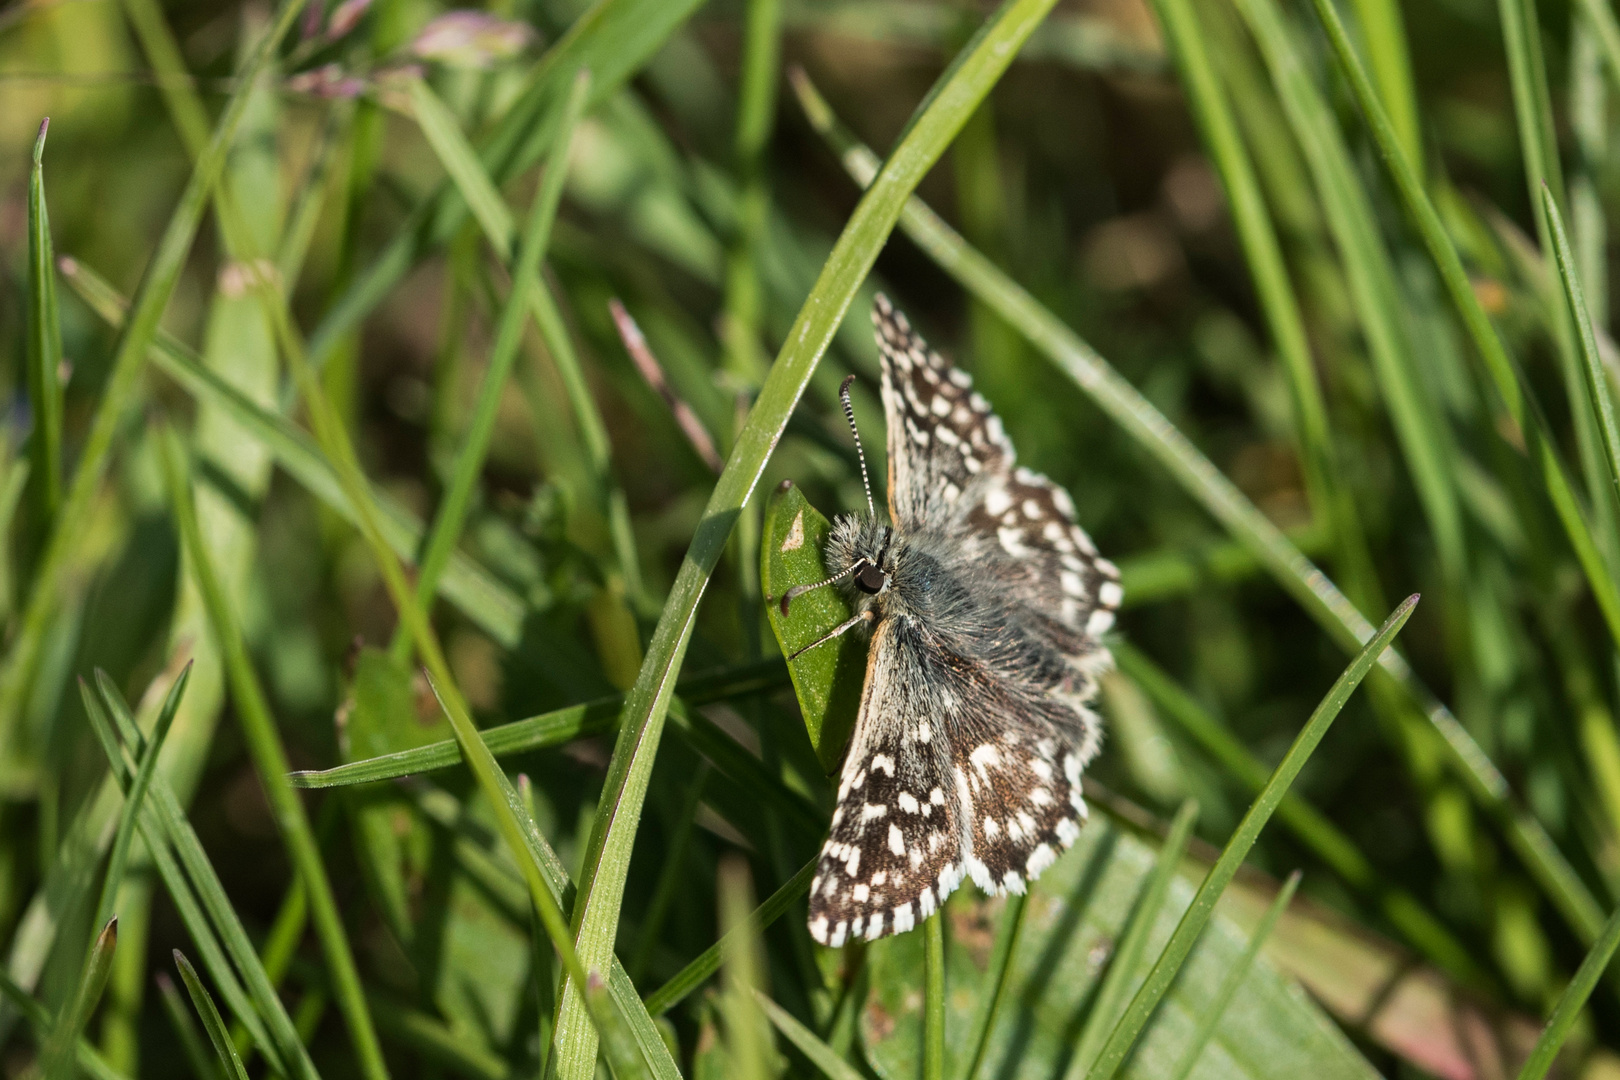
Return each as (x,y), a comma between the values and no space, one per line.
(465,739)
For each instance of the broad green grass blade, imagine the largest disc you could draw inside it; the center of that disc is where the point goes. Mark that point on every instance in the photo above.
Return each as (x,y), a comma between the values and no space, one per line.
(60,1056)
(129,356)
(613,39)
(1421,928)
(212,1022)
(44,345)
(1330,494)
(1199,477)
(1237,849)
(166,826)
(612,837)
(1125,966)
(490,604)
(696,973)
(1573,999)
(1211,1019)
(137,797)
(820,1054)
(1521,408)
(933,1048)
(1599,402)
(548,729)
(1375,286)
(270,757)
(469,466)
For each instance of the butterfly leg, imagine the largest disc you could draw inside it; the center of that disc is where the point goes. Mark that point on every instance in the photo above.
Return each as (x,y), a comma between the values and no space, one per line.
(841,628)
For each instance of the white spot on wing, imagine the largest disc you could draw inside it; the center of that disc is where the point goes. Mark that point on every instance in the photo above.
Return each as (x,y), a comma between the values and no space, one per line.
(897,841)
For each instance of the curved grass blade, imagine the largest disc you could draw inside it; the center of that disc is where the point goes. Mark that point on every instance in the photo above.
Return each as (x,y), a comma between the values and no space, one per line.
(209,910)
(1375,287)
(60,1054)
(185,1030)
(44,346)
(1237,849)
(1125,967)
(547,729)
(1421,928)
(1598,399)
(137,796)
(613,38)
(820,1054)
(1234,979)
(212,1022)
(696,973)
(129,356)
(1199,477)
(1520,405)
(1329,492)
(1573,999)
(1006,948)
(607,860)
(155,829)
(491,606)
(252,709)
(457,500)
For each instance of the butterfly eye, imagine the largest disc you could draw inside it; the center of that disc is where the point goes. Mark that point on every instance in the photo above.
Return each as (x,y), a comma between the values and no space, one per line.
(869,579)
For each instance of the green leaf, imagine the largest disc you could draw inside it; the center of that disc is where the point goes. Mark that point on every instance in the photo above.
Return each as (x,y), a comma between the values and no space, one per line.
(1078,912)
(827,679)
(60,1054)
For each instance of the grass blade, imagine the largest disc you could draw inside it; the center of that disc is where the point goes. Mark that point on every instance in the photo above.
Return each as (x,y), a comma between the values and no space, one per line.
(212,1022)
(1199,477)
(696,973)
(129,356)
(1520,407)
(1237,849)
(37,1016)
(137,796)
(1329,493)
(1384,33)
(44,346)
(1572,1000)
(608,856)
(1001,959)
(1234,979)
(460,160)
(270,758)
(749,1049)
(457,501)
(1126,964)
(256,1005)
(933,1049)
(185,1030)
(60,1055)
(1599,401)
(820,1054)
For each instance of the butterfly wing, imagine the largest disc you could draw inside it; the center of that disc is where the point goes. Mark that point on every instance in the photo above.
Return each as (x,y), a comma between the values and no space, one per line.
(952,470)
(938,784)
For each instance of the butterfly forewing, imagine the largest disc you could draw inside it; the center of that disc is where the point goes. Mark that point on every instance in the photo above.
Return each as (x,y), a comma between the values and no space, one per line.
(976,718)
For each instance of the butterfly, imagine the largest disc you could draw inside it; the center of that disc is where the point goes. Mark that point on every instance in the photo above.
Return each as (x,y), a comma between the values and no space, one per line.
(986,606)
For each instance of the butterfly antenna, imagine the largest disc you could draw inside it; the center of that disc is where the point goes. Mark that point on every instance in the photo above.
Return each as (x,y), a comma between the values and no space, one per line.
(849,414)
(800,590)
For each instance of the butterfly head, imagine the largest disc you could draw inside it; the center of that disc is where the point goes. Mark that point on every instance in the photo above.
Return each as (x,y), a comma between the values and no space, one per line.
(861,549)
